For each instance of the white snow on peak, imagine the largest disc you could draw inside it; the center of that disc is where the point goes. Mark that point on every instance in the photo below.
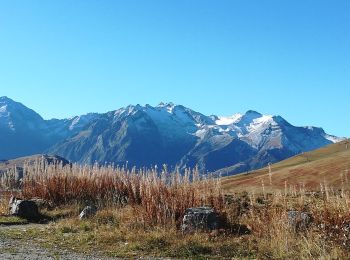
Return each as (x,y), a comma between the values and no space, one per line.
(168,106)
(261,123)
(5,118)
(334,139)
(3,109)
(252,127)
(265,119)
(228,120)
(254,133)
(11,126)
(74,122)
(201,133)
(119,112)
(251,130)
(169,114)
(127,111)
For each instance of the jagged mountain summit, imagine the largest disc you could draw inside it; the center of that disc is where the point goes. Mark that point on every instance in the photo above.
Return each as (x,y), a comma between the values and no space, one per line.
(20,130)
(144,136)
(24,132)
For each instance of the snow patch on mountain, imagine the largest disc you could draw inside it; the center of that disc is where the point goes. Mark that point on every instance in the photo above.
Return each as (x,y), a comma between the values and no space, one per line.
(3,109)
(259,124)
(171,120)
(169,107)
(334,139)
(81,121)
(201,133)
(228,120)
(74,122)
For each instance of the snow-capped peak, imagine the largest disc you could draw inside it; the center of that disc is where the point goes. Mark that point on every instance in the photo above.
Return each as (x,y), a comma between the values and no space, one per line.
(263,119)
(251,127)
(4,102)
(5,99)
(229,120)
(249,117)
(168,106)
(11,104)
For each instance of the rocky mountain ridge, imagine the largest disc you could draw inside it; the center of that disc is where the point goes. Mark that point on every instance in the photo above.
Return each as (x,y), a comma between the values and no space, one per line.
(144,136)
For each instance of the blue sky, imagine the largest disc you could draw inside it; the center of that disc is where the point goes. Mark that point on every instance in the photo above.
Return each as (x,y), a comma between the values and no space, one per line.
(292,58)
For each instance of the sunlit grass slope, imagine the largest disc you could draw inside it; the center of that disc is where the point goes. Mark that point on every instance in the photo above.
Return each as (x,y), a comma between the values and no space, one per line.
(326,166)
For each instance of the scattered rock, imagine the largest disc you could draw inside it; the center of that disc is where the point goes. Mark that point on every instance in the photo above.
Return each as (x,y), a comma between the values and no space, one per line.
(201,218)
(24,208)
(299,220)
(88,212)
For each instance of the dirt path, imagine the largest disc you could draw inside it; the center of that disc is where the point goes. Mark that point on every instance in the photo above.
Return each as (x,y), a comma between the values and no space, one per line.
(18,249)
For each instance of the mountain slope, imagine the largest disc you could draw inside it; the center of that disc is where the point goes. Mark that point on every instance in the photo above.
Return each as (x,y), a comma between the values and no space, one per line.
(141,136)
(20,130)
(175,135)
(24,132)
(144,136)
(329,165)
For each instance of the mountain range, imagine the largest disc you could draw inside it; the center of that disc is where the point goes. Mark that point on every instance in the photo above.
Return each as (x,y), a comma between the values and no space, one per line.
(145,136)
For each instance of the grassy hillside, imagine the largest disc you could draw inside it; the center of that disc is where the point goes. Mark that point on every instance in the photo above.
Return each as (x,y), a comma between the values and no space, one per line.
(329,165)
(6,165)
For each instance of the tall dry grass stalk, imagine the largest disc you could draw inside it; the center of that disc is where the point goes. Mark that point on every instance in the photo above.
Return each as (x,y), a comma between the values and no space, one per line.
(270,174)
(157,197)
(327,237)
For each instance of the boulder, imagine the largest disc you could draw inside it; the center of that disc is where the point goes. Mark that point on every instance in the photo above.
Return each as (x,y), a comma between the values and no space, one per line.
(24,208)
(201,219)
(299,220)
(88,212)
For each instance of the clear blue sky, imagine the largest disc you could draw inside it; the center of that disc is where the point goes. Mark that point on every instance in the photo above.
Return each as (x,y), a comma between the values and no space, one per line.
(291,58)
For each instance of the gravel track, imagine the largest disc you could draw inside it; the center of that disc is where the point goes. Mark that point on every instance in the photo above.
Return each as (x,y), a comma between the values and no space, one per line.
(17,249)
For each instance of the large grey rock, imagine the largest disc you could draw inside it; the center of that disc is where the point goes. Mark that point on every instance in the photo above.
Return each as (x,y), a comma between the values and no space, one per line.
(299,220)
(201,219)
(24,208)
(88,212)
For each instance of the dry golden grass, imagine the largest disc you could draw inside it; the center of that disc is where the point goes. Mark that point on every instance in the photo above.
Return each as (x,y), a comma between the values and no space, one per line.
(329,166)
(140,211)
(117,232)
(156,197)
